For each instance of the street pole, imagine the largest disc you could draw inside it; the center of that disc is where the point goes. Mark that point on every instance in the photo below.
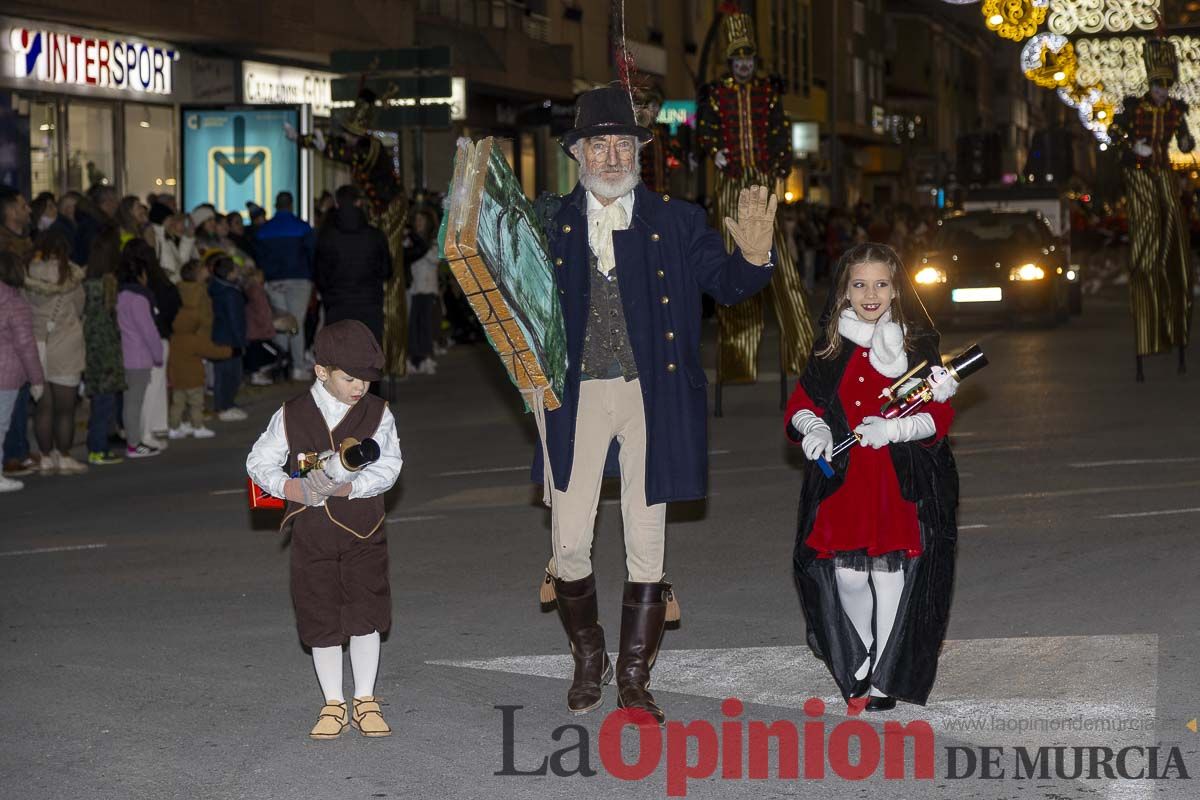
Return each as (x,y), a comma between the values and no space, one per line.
(835,166)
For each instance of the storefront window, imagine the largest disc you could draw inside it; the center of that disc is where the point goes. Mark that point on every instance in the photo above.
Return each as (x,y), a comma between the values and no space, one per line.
(149,150)
(90,146)
(43,148)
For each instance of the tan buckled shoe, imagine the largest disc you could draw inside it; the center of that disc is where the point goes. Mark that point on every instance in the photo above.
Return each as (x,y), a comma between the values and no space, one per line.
(331,723)
(367,719)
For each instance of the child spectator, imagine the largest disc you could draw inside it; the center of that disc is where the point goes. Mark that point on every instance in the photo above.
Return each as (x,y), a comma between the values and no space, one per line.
(19,363)
(229,329)
(54,288)
(191,343)
(104,370)
(261,354)
(141,346)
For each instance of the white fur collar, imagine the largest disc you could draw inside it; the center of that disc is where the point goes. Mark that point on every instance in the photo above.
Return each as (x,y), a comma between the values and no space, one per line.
(885,340)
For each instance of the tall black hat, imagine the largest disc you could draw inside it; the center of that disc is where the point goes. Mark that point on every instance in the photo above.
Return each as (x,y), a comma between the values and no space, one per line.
(606,111)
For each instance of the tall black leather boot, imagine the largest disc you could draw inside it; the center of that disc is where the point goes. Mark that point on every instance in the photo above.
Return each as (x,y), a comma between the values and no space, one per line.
(593,669)
(643,615)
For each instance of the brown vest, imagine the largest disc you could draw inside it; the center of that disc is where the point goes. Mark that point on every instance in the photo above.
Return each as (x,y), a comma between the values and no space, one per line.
(307,432)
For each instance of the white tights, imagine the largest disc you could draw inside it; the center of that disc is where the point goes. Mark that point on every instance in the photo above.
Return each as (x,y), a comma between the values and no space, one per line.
(867,595)
(364,661)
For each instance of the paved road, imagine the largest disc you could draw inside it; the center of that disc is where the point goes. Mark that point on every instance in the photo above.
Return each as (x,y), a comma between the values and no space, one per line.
(149,649)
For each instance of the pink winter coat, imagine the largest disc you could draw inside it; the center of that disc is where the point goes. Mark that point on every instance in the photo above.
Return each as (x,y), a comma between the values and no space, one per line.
(19,362)
(140,342)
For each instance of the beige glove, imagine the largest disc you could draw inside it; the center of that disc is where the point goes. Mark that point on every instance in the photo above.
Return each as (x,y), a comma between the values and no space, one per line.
(754,227)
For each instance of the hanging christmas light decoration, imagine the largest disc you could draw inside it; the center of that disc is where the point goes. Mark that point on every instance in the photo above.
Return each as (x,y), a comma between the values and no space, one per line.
(1096,16)
(1049,61)
(1015,19)
(1095,109)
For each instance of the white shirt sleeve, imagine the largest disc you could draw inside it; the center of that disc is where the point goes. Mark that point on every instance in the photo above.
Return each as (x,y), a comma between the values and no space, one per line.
(377,478)
(267,462)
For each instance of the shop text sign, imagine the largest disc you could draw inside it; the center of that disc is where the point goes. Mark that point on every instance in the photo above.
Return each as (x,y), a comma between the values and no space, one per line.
(271,84)
(83,59)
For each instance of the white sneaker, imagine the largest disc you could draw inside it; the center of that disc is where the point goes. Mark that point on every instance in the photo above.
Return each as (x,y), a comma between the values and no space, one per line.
(203,433)
(438,350)
(10,484)
(232,415)
(303,375)
(47,464)
(412,369)
(182,432)
(429,367)
(157,444)
(141,451)
(260,378)
(69,466)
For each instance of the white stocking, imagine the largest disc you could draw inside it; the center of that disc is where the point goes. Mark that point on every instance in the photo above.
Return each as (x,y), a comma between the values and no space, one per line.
(855,594)
(888,588)
(364,661)
(328,663)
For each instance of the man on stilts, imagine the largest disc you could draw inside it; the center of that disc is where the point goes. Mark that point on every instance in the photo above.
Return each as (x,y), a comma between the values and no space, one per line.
(1160,279)
(740,122)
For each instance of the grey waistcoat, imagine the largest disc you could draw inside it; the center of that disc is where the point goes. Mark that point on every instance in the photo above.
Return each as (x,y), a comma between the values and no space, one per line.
(606,350)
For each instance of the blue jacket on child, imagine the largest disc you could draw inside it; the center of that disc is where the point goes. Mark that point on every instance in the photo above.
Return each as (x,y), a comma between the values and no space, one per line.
(229,313)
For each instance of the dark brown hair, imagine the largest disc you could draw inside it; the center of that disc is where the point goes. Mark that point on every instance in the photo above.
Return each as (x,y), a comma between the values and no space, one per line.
(855,256)
(53,245)
(12,271)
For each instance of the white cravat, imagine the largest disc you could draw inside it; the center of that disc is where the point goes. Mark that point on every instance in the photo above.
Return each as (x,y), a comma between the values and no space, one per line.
(602,221)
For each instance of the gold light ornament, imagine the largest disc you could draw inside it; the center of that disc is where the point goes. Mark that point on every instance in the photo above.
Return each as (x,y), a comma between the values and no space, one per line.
(1049,61)
(1015,19)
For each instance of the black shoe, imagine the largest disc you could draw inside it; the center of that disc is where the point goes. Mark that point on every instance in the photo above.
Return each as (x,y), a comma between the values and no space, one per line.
(881,703)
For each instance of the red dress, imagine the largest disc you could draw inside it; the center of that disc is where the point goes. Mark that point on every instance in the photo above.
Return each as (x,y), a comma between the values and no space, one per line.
(867,514)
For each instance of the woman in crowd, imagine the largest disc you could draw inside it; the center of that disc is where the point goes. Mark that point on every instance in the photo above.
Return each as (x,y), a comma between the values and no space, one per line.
(19,362)
(175,247)
(54,289)
(166,306)
(133,217)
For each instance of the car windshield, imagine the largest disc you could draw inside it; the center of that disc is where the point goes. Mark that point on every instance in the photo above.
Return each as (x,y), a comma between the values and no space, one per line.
(988,230)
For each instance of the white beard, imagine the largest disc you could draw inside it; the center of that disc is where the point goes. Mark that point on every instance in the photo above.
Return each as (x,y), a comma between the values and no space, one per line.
(611,188)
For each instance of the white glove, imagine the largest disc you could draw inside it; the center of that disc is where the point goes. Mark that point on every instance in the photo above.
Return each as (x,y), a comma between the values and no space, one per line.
(942,384)
(290,132)
(818,440)
(720,159)
(35,391)
(334,469)
(1142,148)
(318,483)
(878,432)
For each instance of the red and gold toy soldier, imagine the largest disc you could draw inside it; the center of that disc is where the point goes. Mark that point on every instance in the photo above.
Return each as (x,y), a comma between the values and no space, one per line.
(376,173)
(663,154)
(740,122)
(1160,280)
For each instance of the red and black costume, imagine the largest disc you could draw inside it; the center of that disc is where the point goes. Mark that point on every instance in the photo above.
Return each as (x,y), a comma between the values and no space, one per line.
(746,120)
(660,157)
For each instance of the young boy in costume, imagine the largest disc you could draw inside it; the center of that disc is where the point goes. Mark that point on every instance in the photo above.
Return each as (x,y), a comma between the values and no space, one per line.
(339,564)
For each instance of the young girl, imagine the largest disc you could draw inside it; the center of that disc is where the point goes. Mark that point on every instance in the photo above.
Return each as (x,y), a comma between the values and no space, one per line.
(141,345)
(104,370)
(874,555)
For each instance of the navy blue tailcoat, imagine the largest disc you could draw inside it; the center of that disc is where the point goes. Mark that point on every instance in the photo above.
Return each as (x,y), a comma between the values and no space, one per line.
(666,260)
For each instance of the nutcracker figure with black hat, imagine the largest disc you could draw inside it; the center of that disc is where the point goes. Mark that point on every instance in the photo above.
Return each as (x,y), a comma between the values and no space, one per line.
(1160,275)
(631,267)
(376,173)
(741,124)
(875,544)
(335,514)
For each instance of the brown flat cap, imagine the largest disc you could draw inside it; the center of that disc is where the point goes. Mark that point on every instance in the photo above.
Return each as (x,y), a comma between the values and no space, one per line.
(350,346)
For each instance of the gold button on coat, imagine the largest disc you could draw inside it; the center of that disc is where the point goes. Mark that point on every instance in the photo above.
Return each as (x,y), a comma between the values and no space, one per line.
(566,228)
(670,336)
(654,237)
(662,274)
(665,300)
(671,367)
(666,198)
(558,262)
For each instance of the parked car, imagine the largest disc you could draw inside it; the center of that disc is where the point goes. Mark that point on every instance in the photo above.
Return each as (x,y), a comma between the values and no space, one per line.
(996,264)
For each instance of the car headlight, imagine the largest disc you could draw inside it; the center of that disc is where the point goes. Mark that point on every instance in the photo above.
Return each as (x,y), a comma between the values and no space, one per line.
(1027,272)
(929,275)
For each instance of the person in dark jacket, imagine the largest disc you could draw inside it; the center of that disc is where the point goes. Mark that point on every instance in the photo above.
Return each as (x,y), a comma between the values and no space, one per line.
(353,262)
(229,329)
(285,247)
(92,214)
(630,268)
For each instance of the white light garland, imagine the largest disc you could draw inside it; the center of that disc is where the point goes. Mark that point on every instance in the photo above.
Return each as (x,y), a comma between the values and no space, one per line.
(1095,16)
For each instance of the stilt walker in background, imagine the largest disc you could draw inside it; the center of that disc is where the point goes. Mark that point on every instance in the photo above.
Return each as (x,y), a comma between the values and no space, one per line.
(662,155)
(377,173)
(1160,280)
(740,122)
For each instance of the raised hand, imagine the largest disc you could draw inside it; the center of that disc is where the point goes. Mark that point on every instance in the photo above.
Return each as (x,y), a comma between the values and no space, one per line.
(754,227)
